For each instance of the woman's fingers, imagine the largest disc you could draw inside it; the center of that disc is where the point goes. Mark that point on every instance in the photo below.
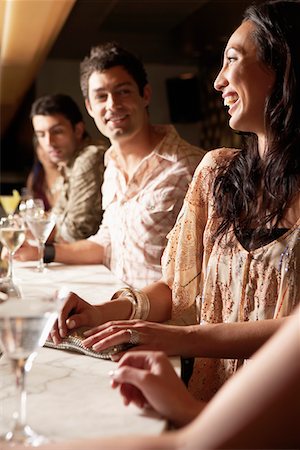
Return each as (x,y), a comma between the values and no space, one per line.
(115,335)
(54,333)
(154,378)
(131,394)
(110,324)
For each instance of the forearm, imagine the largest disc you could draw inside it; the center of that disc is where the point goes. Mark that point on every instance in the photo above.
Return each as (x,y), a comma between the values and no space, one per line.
(259,407)
(166,441)
(229,340)
(79,252)
(160,298)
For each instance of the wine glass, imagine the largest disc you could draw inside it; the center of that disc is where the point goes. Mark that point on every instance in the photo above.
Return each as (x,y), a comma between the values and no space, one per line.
(10,202)
(12,236)
(41,223)
(24,327)
(30,206)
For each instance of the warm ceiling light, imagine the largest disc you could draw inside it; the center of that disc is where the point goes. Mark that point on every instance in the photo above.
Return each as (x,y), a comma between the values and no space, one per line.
(28,31)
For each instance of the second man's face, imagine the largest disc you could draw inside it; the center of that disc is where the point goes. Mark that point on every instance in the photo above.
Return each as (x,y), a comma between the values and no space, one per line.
(56,136)
(116,105)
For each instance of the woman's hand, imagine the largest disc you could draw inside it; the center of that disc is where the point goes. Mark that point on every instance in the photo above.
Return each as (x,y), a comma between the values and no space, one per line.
(75,313)
(148,379)
(150,336)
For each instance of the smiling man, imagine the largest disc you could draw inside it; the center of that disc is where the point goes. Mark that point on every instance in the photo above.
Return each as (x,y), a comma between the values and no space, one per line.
(148,170)
(60,131)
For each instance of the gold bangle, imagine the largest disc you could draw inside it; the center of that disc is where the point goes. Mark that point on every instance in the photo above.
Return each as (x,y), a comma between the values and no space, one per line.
(127,293)
(139,300)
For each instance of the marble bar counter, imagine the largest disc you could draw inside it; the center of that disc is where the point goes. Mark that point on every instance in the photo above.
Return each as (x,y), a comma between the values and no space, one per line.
(94,283)
(69,394)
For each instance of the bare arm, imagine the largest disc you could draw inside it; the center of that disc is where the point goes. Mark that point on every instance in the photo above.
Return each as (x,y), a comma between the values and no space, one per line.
(260,406)
(79,252)
(229,340)
(163,442)
(76,312)
(160,297)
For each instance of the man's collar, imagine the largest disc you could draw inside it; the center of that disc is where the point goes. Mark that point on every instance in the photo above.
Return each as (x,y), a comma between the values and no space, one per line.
(166,148)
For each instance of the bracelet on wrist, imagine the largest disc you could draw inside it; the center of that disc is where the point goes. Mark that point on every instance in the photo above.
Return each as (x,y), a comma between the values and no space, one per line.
(127,293)
(139,301)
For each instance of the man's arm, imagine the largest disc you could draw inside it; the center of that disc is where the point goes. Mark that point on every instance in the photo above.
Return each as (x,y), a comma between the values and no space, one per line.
(79,252)
(82,215)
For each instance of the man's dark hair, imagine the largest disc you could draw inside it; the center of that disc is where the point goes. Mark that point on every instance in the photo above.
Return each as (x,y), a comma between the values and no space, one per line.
(106,56)
(50,105)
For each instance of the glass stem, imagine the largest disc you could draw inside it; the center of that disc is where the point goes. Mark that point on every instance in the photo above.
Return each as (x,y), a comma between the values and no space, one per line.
(10,266)
(41,256)
(20,372)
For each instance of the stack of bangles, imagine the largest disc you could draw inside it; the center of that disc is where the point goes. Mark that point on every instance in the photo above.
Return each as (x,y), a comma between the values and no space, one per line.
(139,301)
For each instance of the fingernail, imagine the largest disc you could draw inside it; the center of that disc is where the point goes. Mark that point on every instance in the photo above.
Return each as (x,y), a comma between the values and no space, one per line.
(71,324)
(62,333)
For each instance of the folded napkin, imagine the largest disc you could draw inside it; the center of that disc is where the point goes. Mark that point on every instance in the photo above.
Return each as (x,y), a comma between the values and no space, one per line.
(73,342)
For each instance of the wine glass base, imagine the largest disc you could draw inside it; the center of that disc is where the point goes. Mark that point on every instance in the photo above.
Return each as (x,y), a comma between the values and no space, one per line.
(39,270)
(11,289)
(24,436)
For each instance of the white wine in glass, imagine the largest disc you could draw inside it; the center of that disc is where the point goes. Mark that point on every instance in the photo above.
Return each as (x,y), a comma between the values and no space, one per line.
(24,327)
(41,224)
(12,236)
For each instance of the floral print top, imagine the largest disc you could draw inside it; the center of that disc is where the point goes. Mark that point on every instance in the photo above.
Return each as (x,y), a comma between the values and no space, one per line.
(221,280)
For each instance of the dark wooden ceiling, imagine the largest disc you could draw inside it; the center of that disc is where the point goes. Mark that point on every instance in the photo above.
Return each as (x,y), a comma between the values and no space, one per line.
(159,31)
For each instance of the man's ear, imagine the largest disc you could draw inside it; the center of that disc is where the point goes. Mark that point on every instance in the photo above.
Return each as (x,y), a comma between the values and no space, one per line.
(88,107)
(147,94)
(79,130)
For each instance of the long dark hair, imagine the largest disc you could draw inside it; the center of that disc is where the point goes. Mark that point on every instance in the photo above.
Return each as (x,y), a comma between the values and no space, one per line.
(277,176)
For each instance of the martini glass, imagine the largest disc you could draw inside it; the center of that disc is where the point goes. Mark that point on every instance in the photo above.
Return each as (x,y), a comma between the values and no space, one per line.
(40,223)
(30,206)
(24,327)
(12,236)
(10,202)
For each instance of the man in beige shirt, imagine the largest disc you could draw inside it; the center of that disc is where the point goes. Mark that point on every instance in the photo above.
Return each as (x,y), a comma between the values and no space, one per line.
(148,170)
(60,131)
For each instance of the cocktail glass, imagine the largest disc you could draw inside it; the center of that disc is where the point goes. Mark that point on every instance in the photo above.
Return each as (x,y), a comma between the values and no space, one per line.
(31,206)
(40,223)
(24,327)
(10,202)
(12,236)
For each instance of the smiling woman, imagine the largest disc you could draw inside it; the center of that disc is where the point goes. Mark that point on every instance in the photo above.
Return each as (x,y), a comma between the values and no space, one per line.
(245,99)
(38,23)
